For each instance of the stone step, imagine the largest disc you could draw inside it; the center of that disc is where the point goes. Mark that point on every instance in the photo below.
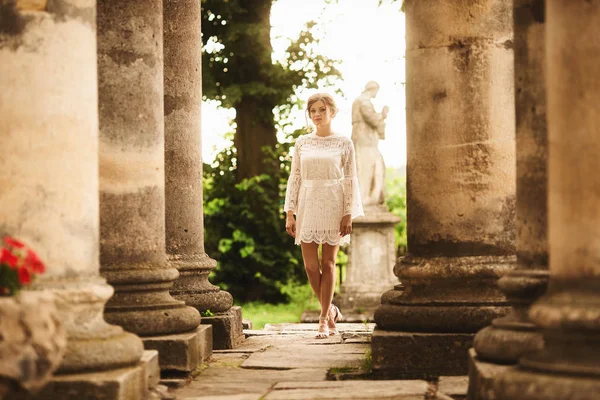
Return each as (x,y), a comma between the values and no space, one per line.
(184,351)
(120,384)
(150,364)
(371,390)
(286,361)
(454,386)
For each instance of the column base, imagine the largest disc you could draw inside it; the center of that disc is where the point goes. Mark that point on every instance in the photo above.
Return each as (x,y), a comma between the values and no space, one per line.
(216,301)
(519,384)
(92,343)
(445,294)
(415,355)
(227,328)
(142,303)
(150,362)
(505,346)
(483,377)
(510,337)
(456,318)
(182,352)
(120,384)
(193,286)
(205,341)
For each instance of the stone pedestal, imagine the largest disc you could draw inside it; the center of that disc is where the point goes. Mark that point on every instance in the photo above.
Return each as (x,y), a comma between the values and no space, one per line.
(133,383)
(417,355)
(529,385)
(227,328)
(483,377)
(132,190)
(119,384)
(440,305)
(182,352)
(568,315)
(371,258)
(150,364)
(49,175)
(460,179)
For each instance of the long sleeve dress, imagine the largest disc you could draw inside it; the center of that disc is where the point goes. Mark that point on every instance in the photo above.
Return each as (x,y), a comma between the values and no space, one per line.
(322,188)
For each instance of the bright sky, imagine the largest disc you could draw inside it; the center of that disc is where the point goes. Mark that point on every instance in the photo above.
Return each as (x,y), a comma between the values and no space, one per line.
(370,42)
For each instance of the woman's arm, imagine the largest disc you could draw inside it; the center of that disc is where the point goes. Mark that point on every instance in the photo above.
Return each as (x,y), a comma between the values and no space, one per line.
(292,191)
(352,201)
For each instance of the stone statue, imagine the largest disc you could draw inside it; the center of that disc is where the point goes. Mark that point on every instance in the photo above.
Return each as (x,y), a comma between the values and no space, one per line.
(372,253)
(368,127)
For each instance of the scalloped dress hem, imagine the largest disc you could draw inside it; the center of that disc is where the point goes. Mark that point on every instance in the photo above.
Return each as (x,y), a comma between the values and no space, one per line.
(341,242)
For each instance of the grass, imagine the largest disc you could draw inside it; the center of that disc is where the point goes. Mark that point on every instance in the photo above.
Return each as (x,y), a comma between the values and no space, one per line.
(302,298)
(341,370)
(367,361)
(260,313)
(199,369)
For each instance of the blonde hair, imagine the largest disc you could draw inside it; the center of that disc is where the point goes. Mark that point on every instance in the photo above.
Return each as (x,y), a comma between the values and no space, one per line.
(325,98)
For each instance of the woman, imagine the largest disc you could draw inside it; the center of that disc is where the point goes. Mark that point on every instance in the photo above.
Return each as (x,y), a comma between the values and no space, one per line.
(323,193)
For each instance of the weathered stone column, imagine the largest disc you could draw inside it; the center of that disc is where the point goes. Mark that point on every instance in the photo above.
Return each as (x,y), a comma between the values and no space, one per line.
(183,172)
(132,198)
(460,187)
(569,314)
(49,184)
(510,337)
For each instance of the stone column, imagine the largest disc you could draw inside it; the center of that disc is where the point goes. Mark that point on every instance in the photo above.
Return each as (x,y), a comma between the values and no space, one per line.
(460,187)
(510,337)
(569,314)
(132,191)
(49,184)
(183,172)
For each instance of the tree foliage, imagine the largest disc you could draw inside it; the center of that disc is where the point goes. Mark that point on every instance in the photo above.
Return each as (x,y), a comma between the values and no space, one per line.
(402,3)
(240,72)
(246,231)
(238,56)
(245,186)
(395,195)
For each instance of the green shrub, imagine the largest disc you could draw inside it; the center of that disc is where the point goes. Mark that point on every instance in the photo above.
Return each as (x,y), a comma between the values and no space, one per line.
(395,188)
(245,228)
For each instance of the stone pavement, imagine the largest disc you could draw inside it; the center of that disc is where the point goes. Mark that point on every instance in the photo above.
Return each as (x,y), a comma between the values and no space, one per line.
(285,361)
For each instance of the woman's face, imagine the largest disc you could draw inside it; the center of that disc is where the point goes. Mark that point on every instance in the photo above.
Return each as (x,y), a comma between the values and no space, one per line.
(320,113)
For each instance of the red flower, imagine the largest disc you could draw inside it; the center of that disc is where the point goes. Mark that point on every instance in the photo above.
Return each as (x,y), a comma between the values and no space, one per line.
(24,276)
(9,258)
(33,262)
(13,242)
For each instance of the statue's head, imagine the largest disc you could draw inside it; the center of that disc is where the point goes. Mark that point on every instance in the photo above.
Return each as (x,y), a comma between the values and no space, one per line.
(371,88)
(326,99)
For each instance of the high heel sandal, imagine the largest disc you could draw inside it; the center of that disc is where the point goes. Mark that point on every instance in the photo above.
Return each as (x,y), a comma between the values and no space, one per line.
(338,315)
(323,331)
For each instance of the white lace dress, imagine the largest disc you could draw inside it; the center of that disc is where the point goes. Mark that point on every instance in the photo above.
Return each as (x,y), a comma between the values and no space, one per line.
(322,188)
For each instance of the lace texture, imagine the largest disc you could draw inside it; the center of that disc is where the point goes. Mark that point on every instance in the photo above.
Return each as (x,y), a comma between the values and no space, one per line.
(322,188)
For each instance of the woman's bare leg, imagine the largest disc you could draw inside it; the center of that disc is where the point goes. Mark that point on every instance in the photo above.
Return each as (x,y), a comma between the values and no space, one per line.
(328,257)
(310,255)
